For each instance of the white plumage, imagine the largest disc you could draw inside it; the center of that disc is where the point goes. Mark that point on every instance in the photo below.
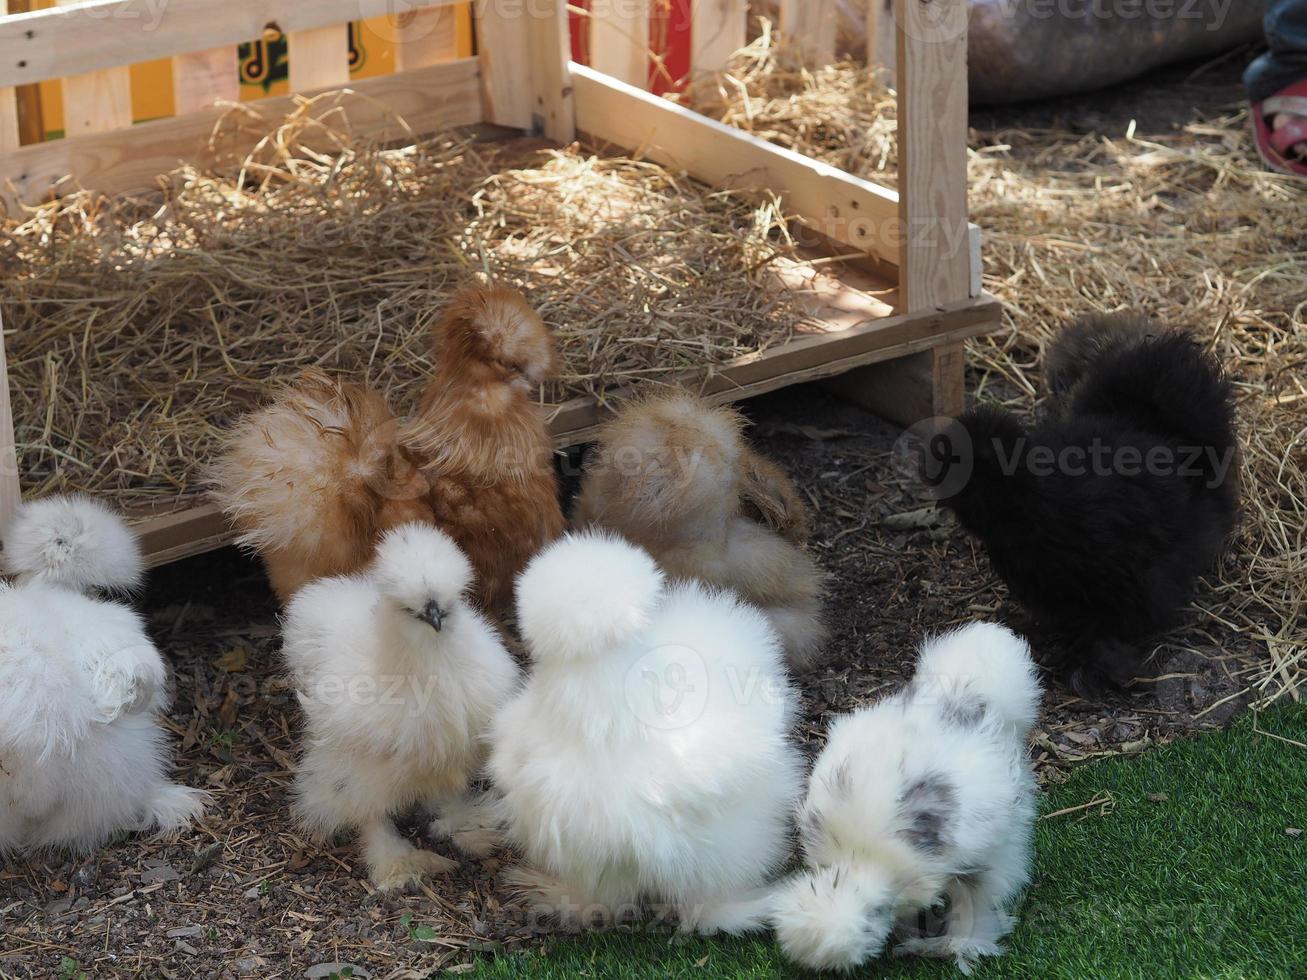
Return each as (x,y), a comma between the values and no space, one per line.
(647,759)
(923,798)
(398,677)
(82,755)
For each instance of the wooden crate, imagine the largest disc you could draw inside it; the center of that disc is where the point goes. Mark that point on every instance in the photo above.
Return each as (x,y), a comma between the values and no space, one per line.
(899,317)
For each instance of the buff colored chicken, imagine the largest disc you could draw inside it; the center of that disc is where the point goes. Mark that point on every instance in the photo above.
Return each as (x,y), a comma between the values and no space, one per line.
(314,479)
(674,475)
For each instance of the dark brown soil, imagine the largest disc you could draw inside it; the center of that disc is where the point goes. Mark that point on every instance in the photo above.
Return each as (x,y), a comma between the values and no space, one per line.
(246,895)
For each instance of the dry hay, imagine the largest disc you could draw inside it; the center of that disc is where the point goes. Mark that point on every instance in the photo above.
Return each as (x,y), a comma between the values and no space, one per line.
(1186,225)
(138,328)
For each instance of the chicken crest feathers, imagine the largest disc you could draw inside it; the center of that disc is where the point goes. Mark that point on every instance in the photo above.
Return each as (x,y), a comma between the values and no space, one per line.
(586,594)
(74,542)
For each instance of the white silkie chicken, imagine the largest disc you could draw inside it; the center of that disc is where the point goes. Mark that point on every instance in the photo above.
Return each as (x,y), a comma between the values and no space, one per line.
(923,799)
(399,678)
(647,759)
(82,754)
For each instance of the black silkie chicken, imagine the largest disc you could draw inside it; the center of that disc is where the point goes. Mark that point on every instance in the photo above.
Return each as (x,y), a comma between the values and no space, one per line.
(1101,517)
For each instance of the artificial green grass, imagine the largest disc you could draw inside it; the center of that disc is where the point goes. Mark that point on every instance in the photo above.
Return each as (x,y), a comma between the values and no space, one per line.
(1186,872)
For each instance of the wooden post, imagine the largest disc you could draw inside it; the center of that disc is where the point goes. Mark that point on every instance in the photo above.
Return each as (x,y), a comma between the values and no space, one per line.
(882,44)
(204,78)
(10,490)
(935,244)
(501,36)
(425,37)
(718,28)
(319,58)
(549,49)
(619,40)
(810,25)
(97,101)
(8,110)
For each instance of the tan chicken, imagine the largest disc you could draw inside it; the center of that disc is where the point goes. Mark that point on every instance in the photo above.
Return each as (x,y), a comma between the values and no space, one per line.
(674,475)
(314,479)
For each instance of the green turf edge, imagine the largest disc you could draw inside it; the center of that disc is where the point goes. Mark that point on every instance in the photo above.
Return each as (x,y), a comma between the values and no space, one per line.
(1187,872)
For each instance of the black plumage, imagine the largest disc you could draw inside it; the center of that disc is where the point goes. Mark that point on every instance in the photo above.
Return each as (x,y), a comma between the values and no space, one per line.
(1101,517)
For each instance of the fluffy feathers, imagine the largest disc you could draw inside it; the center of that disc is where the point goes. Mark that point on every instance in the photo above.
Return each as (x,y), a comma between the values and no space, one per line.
(398,677)
(1101,518)
(924,796)
(82,755)
(312,480)
(648,760)
(674,475)
(74,542)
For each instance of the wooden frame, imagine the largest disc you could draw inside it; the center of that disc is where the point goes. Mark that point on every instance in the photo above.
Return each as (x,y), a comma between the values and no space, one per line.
(893,311)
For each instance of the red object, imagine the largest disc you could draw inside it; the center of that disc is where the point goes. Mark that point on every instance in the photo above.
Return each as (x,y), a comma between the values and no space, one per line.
(1282,148)
(579,24)
(669,36)
(670,33)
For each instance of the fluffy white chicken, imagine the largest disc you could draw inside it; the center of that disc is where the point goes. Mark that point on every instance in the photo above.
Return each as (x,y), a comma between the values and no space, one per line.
(399,678)
(647,758)
(923,799)
(82,754)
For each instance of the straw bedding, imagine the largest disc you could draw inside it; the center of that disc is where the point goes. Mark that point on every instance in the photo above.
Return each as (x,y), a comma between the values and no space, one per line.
(1188,227)
(137,329)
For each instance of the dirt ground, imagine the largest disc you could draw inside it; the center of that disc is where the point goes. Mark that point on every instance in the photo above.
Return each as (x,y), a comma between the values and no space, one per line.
(246,895)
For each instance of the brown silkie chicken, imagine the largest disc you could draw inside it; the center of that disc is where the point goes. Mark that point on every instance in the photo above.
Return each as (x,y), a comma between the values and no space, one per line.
(315,478)
(674,475)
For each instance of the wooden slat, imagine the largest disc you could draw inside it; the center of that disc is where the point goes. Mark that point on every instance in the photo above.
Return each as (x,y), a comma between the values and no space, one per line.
(811,24)
(427,99)
(502,47)
(8,107)
(47,44)
(619,40)
(205,78)
(318,58)
(935,265)
(549,45)
(96,101)
(882,45)
(10,491)
(845,208)
(425,37)
(718,29)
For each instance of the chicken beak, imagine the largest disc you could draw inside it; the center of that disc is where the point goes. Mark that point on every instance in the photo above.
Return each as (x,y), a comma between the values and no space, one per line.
(432,615)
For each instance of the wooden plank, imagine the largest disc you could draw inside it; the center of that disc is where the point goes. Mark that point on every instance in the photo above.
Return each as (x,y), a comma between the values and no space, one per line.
(425,37)
(718,28)
(935,263)
(96,101)
(809,358)
(502,46)
(318,58)
(46,44)
(205,78)
(619,40)
(11,494)
(882,45)
(553,112)
(429,99)
(845,208)
(810,25)
(8,107)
